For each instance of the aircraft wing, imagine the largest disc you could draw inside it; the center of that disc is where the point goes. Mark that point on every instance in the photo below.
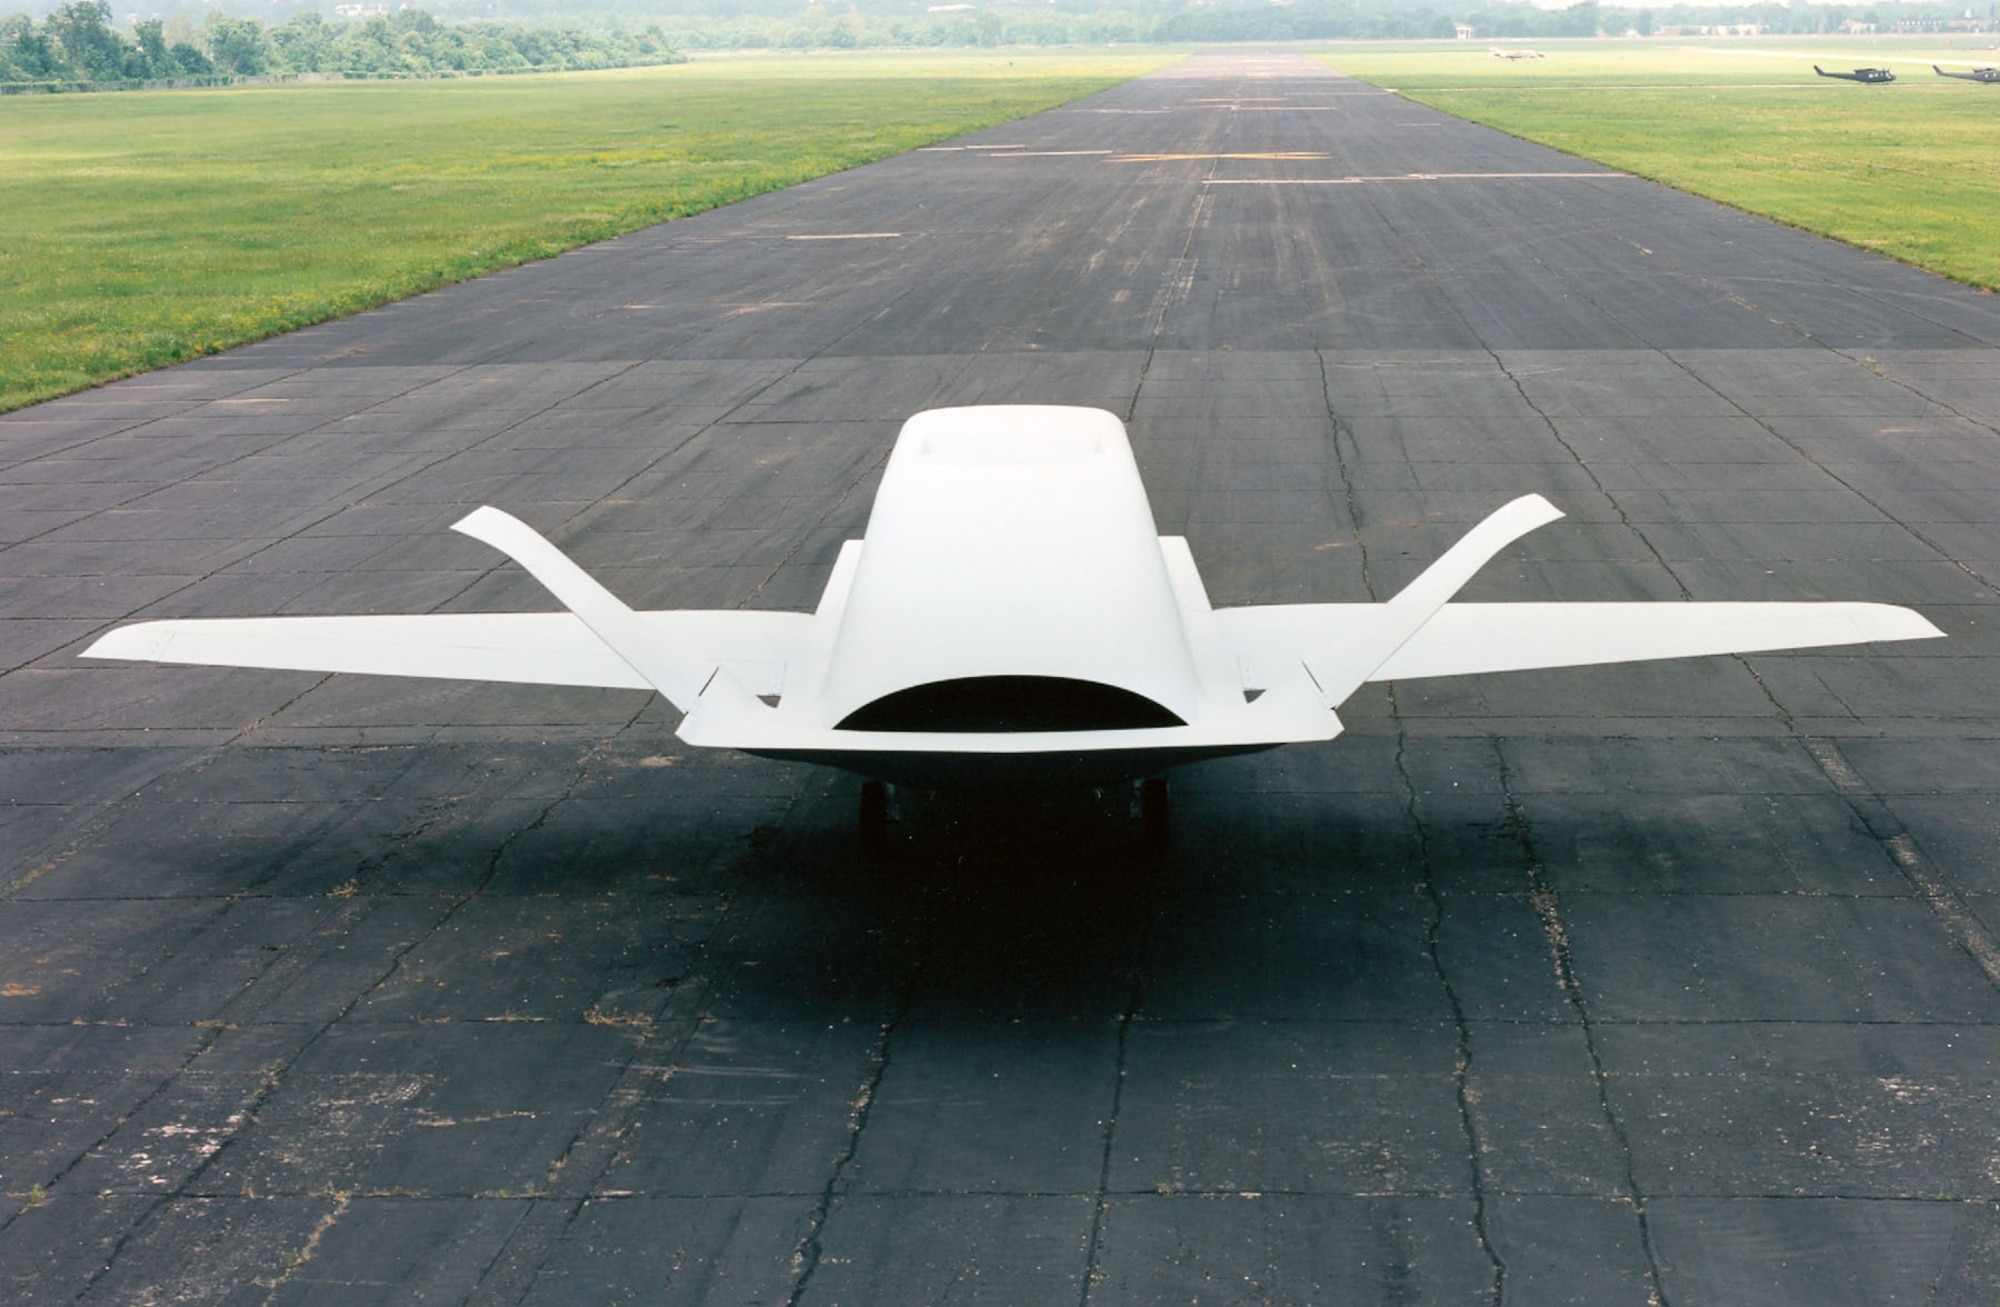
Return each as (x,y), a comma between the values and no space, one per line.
(530,648)
(717,662)
(1464,639)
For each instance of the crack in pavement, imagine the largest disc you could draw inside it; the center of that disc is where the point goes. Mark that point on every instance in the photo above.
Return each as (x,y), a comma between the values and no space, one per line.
(811,1249)
(1547,903)
(1135,999)
(1461,1071)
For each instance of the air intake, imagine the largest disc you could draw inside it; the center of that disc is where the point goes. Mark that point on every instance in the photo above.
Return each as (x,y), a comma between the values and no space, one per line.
(1010,704)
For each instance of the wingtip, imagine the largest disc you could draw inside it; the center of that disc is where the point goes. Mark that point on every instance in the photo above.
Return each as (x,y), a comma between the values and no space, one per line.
(475,522)
(1547,511)
(1909,624)
(1524,514)
(141,642)
(1873,623)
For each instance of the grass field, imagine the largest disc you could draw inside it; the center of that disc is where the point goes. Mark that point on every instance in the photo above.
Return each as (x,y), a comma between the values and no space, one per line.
(143,228)
(1910,169)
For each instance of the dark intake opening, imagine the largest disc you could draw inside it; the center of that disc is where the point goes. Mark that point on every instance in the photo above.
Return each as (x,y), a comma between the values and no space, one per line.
(1010,703)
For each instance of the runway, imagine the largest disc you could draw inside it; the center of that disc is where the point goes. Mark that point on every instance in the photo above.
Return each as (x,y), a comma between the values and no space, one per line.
(1674,980)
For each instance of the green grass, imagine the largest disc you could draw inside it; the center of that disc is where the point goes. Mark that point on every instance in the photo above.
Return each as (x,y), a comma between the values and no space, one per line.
(144,228)
(1910,170)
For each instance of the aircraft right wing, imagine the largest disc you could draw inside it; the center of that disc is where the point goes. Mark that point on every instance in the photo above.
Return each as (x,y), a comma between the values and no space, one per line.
(1465,639)
(1421,632)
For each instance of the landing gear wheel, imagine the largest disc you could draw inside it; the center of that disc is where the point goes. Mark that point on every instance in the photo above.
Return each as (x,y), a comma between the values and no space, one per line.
(1155,811)
(874,824)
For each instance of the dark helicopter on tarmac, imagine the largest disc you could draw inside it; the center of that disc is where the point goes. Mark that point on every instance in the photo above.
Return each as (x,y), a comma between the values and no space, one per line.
(1989,75)
(1859,74)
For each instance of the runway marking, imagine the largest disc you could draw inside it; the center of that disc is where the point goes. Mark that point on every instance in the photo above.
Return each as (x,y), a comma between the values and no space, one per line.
(1048,154)
(1880,821)
(952,149)
(849,236)
(1405,177)
(1245,106)
(1203,158)
(1959,921)
(738,310)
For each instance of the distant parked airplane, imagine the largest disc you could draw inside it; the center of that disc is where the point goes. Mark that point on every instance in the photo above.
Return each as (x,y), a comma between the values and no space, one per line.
(1859,74)
(1498,53)
(1976,75)
(1011,614)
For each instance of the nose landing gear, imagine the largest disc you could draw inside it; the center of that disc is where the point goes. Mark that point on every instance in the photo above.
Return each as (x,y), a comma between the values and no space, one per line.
(1151,805)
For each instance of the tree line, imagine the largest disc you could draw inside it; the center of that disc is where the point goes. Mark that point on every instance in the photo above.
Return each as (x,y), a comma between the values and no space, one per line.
(824,27)
(77,45)
(802,24)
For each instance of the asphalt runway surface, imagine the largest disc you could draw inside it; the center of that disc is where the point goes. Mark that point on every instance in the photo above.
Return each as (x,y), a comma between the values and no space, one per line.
(1671,982)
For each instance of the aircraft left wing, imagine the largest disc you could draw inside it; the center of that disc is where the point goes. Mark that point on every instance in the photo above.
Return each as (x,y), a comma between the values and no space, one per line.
(716,660)
(526,648)
(533,648)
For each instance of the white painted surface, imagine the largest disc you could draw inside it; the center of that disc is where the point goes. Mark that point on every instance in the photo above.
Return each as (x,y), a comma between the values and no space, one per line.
(1011,541)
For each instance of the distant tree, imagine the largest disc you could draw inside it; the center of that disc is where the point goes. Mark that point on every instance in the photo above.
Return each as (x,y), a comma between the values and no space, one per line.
(303,43)
(27,55)
(77,44)
(83,27)
(189,61)
(148,56)
(237,45)
(1581,19)
(530,47)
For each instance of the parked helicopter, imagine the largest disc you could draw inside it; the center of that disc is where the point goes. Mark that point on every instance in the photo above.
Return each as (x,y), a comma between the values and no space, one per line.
(1859,74)
(1991,75)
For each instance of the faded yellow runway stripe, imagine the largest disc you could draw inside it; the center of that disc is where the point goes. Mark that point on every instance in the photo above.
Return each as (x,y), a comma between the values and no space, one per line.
(1175,158)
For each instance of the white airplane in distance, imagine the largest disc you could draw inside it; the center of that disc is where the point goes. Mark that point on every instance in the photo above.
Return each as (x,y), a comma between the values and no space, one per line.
(1011,614)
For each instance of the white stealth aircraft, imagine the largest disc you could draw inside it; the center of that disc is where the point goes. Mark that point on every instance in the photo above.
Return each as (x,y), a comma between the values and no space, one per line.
(1012,613)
